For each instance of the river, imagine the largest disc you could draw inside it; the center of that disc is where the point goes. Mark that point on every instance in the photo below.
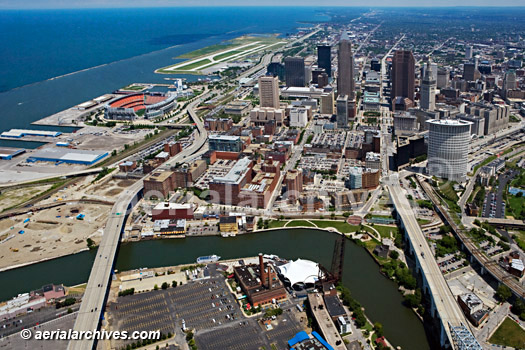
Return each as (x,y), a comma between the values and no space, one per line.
(379,296)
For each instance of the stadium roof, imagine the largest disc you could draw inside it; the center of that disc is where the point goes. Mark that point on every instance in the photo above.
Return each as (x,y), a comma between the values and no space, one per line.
(300,272)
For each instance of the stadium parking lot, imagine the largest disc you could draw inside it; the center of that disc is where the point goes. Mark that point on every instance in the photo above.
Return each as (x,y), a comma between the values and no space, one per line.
(239,336)
(206,307)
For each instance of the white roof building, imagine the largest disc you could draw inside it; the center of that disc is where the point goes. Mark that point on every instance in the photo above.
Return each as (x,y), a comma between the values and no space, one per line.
(300,273)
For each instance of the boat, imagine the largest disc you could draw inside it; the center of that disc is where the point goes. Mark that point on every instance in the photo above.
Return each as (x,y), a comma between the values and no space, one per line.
(208,259)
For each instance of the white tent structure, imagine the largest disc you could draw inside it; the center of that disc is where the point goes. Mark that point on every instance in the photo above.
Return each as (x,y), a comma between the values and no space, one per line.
(300,274)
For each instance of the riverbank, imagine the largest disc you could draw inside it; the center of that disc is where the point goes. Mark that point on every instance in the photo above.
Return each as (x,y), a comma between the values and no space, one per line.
(378,295)
(170,277)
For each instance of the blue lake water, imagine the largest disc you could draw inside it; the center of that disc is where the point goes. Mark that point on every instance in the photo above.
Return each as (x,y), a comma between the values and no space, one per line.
(106,49)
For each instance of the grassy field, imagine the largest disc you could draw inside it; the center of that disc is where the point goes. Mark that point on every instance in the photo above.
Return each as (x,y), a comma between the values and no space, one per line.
(296,223)
(515,206)
(519,237)
(13,197)
(194,64)
(448,191)
(384,231)
(276,223)
(226,55)
(133,88)
(208,50)
(509,334)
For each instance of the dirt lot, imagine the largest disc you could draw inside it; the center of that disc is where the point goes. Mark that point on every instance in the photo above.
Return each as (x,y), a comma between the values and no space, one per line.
(50,233)
(10,198)
(110,188)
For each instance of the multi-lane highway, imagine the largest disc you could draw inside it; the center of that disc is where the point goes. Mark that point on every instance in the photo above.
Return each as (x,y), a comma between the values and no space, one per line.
(442,298)
(95,296)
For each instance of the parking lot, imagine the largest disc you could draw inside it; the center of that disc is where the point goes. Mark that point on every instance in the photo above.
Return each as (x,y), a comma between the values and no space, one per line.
(248,334)
(143,312)
(235,336)
(33,318)
(197,305)
(450,262)
(284,329)
(204,304)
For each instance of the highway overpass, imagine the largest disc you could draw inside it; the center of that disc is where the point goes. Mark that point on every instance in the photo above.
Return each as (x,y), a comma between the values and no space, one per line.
(499,222)
(443,304)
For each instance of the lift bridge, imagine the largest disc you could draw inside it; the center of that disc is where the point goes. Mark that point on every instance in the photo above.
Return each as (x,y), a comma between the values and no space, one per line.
(463,339)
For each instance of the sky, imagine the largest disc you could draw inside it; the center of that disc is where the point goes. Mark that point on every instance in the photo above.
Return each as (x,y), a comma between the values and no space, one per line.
(39,4)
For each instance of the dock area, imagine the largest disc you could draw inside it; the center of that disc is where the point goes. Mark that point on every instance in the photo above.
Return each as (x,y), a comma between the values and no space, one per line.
(73,115)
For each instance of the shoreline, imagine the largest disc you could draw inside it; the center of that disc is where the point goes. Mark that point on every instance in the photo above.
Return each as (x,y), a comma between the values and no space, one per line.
(14,267)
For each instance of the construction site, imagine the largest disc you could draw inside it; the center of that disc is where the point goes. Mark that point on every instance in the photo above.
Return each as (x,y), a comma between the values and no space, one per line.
(64,222)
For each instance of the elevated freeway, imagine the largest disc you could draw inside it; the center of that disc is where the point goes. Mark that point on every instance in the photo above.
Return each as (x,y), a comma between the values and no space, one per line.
(443,304)
(94,299)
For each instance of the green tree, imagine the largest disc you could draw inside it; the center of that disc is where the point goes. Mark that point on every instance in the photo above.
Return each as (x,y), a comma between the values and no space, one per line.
(518,307)
(378,328)
(155,287)
(165,285)
(394,254)
(189,336)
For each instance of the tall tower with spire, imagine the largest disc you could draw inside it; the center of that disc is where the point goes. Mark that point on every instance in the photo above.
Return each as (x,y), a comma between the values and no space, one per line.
(428,89)
(345,68)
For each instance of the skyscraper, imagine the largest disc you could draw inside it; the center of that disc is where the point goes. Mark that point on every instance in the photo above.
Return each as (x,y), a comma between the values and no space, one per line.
(342,111)
(509,82)
(276,69)
(428,89)
(442,77)
(403,74)
(434,69)
(345,68)
(468,52)
(294,71)
(324,58)
(470,71)
(448,147)
(269,91)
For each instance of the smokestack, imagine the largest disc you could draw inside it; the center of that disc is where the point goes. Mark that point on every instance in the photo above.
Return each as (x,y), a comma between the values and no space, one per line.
(261,268)
(270,278)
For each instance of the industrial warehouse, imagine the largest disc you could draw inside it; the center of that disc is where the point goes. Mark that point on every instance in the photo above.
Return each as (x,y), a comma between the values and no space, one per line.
(68,156)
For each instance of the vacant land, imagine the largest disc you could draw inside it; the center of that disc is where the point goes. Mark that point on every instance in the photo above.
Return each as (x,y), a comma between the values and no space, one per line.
(11,198)
(134,87)
(50,233)
(509,334)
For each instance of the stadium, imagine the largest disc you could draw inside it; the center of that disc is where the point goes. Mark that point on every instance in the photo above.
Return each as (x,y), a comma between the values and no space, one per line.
(132,106)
